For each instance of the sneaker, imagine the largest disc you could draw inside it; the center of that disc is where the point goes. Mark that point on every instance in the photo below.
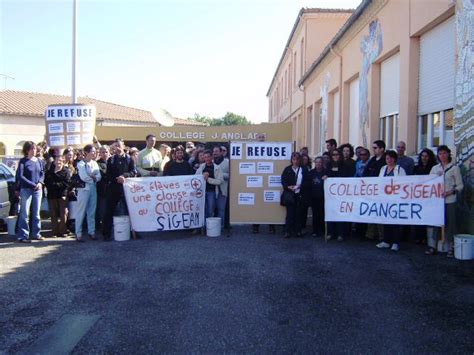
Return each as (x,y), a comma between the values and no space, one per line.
(395,247)
(329,237)
(383,245)
(340,239)
(24,240)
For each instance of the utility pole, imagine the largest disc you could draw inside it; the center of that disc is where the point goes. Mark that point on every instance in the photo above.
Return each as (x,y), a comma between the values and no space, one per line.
(74,54)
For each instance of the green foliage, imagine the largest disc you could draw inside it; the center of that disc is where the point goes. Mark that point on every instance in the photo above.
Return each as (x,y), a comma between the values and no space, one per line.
(230,119)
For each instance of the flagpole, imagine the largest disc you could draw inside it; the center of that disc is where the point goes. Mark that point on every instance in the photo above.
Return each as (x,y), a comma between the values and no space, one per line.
(74,54)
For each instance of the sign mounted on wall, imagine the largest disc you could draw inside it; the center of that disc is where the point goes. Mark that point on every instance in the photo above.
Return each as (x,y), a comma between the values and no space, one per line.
(70,125)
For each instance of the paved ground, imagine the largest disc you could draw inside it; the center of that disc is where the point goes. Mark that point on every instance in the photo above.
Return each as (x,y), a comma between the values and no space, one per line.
(246,293)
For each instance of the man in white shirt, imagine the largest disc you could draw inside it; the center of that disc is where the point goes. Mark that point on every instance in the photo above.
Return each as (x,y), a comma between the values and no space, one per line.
(149,159)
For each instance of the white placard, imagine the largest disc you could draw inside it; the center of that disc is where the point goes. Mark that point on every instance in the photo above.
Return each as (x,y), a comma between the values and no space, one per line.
(246,168)
(87,139)
(88,126)
(246,198)
(254,181)
(56,141)
(268,151)
(265,167)
(70,112)
(55,128)
(271,196)
(236,151)
(74,139)
(403,200)
(274,181)
(73,127)
(166,202)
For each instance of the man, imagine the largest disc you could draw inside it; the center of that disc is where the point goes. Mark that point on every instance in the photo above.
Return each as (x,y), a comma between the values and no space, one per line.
(212,174)
(223,164)
(104,155)
(178,166)
(304,151)
(224,152)
(119,167)
(149,159)
(377,161)
(407,163)
(165,151)
(374,231)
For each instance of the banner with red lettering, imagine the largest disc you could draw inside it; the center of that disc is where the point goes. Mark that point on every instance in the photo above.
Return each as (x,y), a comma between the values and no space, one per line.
(409,200)
(166,202)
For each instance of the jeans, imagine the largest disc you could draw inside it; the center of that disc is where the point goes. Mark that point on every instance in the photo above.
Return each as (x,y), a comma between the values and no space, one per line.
(211,203)
(86,205)
(29,198)
(221,203)
(58,209)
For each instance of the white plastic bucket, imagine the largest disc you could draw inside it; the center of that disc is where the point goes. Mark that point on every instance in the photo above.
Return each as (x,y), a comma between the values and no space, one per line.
(464,247)
(11,224)
(213,226)
(121,228)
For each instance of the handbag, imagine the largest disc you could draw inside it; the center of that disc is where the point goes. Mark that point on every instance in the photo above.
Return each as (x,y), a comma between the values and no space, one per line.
(287,198)
(77,182)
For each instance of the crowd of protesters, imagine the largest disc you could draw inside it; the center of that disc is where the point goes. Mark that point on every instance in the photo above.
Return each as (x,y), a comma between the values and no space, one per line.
(84,187)
(89,182)
(305,182)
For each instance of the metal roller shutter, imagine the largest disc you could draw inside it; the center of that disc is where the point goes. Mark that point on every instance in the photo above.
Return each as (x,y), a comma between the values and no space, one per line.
(390,86)
(437,68)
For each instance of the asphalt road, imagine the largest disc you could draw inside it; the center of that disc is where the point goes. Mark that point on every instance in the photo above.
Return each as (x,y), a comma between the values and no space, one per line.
(175,292)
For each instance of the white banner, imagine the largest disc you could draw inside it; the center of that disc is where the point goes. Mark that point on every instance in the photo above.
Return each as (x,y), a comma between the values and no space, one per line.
(404,200)
(166,202)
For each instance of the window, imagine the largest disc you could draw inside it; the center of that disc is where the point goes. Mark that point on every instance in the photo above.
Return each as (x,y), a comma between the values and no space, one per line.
(302,59)
(389,130)
(435,129)
(286,84)
(294,70)
(289,80)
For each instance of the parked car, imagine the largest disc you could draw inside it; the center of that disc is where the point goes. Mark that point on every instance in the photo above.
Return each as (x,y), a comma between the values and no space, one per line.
(7,191)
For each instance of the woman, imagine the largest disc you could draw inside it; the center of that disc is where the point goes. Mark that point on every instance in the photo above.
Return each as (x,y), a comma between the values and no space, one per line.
(57,181)
(452,185)
(347,155)
(391,232)
(292,182)
(316,178)
(426,161)
(337,168)
(89,172)
(29,180)
(306,165)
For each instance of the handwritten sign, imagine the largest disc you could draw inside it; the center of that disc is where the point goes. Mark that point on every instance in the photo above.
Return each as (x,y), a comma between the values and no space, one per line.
(165,203)
(412,200)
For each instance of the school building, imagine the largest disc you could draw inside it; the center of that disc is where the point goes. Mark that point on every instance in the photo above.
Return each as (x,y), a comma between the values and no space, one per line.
(394,70)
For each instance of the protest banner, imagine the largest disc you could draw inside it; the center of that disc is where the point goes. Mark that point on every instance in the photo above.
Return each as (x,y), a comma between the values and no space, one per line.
(408,200)
(165,203)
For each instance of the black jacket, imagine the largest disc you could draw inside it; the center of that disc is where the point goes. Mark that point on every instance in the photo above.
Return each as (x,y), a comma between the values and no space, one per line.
(373,166)
(288,178)
(57,183)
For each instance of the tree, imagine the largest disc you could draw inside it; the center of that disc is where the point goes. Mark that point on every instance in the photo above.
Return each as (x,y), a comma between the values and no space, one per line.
(230,119)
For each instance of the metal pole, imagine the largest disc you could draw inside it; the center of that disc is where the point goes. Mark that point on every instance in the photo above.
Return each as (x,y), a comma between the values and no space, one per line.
(74,11)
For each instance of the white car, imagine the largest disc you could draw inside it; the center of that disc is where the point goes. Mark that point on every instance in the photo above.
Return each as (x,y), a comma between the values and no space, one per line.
(4,197)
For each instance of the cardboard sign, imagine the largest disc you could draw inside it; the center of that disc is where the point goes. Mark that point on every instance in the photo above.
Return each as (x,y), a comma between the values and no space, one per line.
(72,125)
(404,200)
(166,203)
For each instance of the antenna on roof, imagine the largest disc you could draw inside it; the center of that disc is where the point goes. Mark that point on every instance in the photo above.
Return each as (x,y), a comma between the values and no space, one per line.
(163,117)
(6,77)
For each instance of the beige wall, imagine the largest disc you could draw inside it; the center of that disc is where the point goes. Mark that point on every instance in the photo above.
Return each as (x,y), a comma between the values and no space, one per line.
(315,30)
(17,129)
(399,20)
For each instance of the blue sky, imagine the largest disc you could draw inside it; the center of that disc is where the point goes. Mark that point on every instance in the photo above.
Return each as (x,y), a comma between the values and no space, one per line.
(205,57)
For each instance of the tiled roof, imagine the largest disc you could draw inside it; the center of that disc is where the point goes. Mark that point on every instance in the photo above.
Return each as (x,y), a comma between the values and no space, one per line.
(22,103)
